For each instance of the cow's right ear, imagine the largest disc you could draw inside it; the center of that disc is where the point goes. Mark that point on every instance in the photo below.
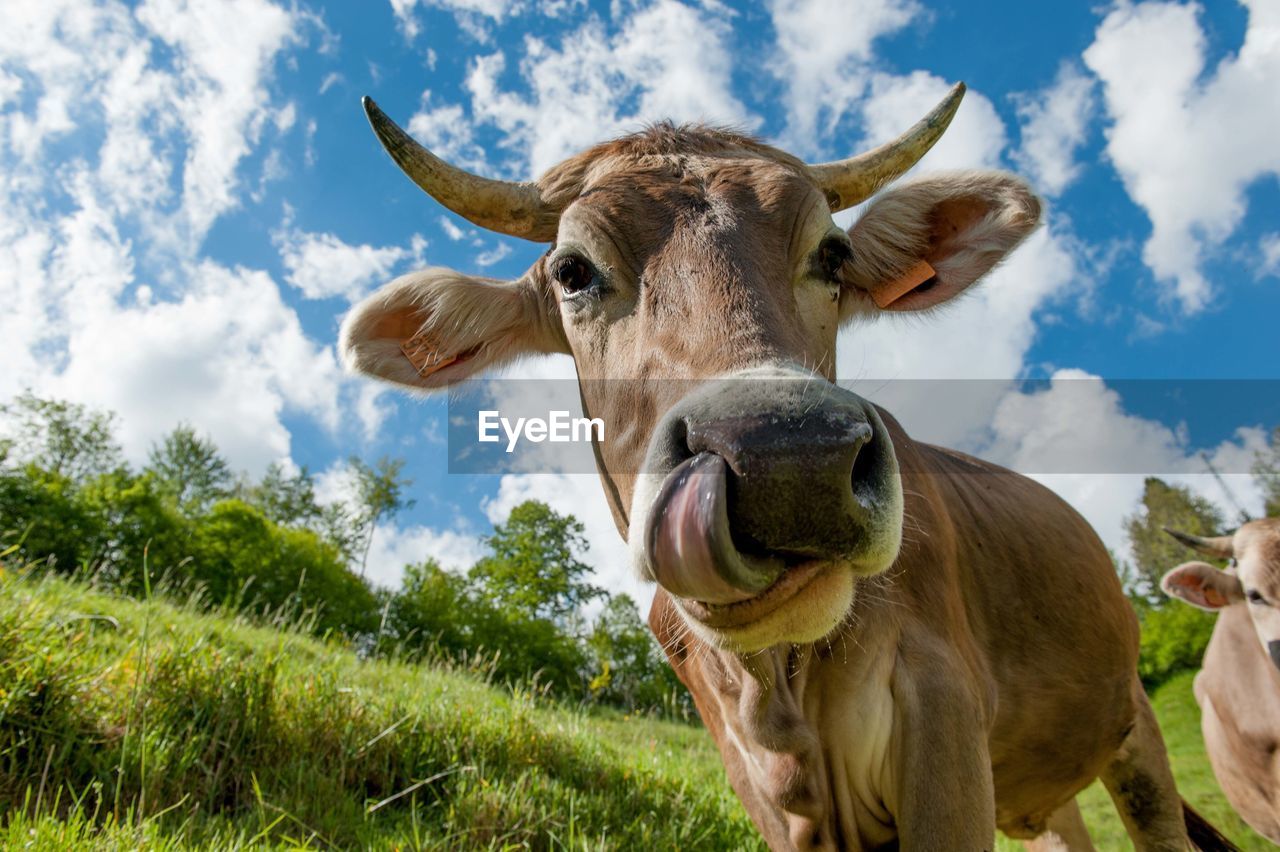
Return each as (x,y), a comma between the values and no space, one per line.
(429,328)
(1203,586)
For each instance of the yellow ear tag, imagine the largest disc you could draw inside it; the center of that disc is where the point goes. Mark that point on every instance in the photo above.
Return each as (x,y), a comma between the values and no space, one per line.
(424,356)
(911,279)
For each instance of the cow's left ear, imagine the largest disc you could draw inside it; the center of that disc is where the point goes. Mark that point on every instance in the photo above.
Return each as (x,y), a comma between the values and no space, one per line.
(1203,586)
(433,327)
(922,242)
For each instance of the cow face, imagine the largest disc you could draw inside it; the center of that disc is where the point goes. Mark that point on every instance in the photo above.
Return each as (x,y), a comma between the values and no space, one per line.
(698,280)
(1252,580)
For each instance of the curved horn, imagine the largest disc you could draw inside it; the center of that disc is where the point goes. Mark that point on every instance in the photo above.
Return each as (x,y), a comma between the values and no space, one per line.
(1219,547)
(852,181)
(516,209)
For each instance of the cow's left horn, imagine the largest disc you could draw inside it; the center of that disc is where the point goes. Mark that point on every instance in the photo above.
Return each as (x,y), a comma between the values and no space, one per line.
(1219,547)
(852,181)
(516,209)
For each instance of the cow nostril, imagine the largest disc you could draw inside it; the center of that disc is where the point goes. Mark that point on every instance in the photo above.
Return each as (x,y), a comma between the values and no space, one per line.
(866,468)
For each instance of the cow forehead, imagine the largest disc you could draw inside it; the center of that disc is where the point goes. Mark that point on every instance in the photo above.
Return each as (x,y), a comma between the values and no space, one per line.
(642,202)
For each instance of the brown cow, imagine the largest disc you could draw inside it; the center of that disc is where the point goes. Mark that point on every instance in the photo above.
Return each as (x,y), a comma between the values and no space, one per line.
(1238,689)
(893,645)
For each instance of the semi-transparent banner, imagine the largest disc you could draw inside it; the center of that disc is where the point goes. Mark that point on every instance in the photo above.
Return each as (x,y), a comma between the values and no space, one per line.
(1045,426)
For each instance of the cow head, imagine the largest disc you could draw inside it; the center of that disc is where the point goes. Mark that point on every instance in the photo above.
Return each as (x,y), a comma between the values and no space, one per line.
(1252,580)
(698,280)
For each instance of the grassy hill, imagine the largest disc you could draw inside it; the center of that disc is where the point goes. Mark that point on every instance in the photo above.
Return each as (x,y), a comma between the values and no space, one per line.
(127,724)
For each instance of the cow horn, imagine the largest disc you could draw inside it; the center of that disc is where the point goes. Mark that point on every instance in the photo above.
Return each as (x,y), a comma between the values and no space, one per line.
(516,209)
(852,181)
(1219,547)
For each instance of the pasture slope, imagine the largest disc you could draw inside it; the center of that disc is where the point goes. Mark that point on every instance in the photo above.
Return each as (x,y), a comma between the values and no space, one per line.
(128,724)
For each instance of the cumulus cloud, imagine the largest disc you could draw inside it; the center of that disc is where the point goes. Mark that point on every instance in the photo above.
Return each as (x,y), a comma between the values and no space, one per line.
(824,55)
(323,266)
(667,60)
(166,101)
(1269,251)
(1077,423)
(1055,122)
(1188,141)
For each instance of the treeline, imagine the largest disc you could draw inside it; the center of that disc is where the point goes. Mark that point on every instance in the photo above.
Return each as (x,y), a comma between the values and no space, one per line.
(186,522)
(1175,635)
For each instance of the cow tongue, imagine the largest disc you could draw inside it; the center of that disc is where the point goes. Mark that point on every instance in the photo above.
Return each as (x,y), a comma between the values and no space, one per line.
(690,548)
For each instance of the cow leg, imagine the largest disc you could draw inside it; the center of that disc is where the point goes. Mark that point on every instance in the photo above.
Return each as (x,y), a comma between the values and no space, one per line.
(1141,786)
(946,795)
(1064,832)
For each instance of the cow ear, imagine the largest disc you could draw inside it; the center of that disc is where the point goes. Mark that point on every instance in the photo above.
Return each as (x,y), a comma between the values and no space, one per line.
(1203,586)
(429,328)
(923,242)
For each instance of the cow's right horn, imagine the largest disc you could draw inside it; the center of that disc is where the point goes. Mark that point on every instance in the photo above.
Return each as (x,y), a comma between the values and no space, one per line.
(516,209)
(854,180)
(1219,547)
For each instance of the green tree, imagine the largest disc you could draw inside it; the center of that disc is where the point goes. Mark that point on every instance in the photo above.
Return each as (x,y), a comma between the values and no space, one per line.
(630,670)
(535,567)
(190,470)
(63,438)
(433,609)
(1266,473)
(379,495)
(41,513)
(286,498)
(244,558)
(1154,551)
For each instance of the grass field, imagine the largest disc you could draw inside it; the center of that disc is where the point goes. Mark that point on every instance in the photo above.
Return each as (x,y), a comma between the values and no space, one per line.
(126,724)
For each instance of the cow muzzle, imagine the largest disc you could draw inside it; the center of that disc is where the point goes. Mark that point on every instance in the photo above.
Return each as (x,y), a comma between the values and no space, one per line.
(756,484)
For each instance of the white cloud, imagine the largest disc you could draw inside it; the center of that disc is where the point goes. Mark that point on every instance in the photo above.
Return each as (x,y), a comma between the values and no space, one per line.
(1188,143)
(824,56)
(166,101)
(323,266)
(668,59)
(1054,124)
(446,131)
(1079,424)
(468,14)
(1269,250)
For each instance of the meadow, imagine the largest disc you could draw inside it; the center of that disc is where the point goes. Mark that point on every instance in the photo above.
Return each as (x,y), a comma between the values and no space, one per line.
(149,723)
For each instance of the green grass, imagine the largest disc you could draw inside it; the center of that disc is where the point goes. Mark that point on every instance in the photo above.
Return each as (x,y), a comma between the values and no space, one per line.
(128,724)
(124,723)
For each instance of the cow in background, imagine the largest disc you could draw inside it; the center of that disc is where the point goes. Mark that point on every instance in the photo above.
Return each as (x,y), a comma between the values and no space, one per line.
(1238,687)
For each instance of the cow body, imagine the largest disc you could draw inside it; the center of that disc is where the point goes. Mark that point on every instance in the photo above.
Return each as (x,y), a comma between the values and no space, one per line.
(964,640)
(1238,691)
(892,644)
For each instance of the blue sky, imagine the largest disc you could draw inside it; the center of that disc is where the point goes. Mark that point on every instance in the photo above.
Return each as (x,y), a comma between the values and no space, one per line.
(192,200)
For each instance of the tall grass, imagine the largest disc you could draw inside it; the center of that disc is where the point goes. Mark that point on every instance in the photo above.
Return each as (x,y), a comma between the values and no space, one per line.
(126,723)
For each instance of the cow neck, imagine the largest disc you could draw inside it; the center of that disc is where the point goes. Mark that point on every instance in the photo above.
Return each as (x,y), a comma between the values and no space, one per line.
(771,712)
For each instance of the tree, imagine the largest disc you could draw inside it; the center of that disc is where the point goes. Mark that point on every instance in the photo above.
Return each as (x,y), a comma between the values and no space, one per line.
(534,568)
(1154,551)
(630,670)
(379,494)
(286,498)
(1266,473)
(190,470)
(63,438)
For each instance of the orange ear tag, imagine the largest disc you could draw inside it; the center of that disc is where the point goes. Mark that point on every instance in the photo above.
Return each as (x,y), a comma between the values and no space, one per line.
(424,356)
(910,280)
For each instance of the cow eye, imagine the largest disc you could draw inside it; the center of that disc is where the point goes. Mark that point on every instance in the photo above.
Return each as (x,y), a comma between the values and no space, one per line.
(572,273)
(1255,597)
(832,256)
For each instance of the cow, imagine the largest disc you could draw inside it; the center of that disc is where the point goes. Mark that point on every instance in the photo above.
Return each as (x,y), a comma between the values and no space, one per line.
(893,645)
(1238,688)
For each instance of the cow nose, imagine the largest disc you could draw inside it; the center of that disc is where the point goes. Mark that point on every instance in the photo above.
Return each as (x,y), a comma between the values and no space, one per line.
(1273,648)
(793,477)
